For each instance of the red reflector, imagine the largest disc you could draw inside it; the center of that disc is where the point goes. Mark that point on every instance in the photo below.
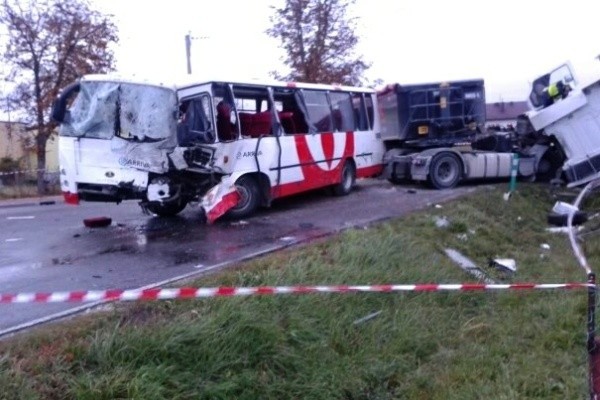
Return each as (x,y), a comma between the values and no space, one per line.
(71,198)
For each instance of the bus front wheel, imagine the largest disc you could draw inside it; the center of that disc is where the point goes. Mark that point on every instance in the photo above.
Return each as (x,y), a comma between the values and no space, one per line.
(249,197)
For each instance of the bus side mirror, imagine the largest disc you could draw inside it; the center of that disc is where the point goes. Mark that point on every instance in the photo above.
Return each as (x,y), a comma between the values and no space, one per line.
(58,111)
(59,106)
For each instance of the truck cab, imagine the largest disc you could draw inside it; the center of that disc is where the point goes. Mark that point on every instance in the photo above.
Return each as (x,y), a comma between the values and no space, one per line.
(565,117)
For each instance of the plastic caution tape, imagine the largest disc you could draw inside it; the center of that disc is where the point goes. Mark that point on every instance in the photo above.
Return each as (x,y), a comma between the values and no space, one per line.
(191,293)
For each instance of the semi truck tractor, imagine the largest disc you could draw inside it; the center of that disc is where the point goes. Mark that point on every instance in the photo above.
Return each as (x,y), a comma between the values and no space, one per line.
(436,132)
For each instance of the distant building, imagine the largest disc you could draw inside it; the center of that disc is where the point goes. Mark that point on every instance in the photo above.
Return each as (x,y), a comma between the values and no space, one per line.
(503,114)
(19,144)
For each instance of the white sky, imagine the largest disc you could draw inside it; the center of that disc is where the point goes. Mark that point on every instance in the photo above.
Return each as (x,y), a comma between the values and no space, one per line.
(506,42)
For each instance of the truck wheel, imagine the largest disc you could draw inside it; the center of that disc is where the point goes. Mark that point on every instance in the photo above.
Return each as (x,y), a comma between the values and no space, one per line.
(250,196)
(445,171)
(348,180)
(166,209)
(549,165)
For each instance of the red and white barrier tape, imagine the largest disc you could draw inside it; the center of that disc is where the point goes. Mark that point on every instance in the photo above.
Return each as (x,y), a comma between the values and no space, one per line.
(190,293)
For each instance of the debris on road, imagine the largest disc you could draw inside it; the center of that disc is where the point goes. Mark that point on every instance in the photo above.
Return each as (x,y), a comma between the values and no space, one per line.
(97,222)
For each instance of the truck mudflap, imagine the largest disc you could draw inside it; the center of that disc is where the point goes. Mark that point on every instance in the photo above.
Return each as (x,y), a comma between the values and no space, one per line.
(219,199)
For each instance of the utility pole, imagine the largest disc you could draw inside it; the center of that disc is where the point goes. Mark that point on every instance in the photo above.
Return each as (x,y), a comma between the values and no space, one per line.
(188,50)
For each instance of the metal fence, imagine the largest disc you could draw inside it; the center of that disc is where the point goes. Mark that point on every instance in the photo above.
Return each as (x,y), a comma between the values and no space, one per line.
(23,183)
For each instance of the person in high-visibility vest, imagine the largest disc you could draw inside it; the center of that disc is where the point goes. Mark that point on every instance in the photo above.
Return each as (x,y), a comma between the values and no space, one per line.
(555,92)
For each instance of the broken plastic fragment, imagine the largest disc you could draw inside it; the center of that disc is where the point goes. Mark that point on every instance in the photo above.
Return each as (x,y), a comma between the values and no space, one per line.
(505,263)
(220,199)
(441,222)
(564,208)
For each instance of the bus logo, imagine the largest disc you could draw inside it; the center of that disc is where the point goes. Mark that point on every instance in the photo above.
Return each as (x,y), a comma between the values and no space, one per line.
(129,162)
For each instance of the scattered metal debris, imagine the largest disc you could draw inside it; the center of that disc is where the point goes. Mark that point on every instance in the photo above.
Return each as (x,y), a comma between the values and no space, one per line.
(441,222)
(367,318)
(239,223)
(504,264)
(561,229)
(468,265)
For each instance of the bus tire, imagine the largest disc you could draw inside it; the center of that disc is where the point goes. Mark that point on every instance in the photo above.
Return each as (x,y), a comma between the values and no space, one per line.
(348,179)
(169,209)
(249,197)
(444,171)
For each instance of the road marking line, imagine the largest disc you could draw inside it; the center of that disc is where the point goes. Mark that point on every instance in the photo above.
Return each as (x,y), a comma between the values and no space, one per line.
(13,239)
(22,217)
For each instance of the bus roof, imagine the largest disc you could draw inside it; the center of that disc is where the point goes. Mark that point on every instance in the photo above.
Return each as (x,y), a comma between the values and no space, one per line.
(190,82)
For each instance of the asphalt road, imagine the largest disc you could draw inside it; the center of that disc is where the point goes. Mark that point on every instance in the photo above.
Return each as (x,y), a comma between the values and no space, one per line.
(45,248)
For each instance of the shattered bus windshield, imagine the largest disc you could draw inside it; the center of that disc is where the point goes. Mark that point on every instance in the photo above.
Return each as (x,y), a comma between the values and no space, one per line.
(132,112)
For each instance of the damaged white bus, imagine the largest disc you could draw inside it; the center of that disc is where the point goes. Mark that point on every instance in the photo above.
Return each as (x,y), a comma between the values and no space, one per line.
(232,146)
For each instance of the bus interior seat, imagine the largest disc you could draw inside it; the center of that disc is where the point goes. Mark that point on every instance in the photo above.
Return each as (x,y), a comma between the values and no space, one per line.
(224,126)
(287,121)
(255,125)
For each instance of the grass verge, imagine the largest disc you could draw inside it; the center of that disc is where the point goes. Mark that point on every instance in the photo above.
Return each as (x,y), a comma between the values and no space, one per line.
(502,345)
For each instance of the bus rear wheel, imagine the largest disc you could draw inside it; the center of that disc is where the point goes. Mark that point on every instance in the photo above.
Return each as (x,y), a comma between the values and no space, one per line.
(348,179)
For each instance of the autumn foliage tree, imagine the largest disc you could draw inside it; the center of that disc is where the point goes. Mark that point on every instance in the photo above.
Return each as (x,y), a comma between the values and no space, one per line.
(319,39)
(50,44)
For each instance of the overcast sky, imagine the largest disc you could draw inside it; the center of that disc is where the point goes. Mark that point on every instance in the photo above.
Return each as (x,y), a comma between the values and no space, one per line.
(508,43)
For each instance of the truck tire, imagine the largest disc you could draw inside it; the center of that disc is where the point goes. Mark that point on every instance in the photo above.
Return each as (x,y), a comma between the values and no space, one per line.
(579,218)
(348,179)
(250,197)
(549,165)
(166,209)
(445,171)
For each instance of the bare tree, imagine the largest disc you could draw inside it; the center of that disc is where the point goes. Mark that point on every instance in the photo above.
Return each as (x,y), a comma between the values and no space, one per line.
(50,44)
(319,39)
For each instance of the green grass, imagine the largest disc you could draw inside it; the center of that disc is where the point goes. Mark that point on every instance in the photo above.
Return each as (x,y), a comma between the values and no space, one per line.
(501,345)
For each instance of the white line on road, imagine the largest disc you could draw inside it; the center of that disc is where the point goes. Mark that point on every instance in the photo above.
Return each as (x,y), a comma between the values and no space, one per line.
(13,239)
(22,217)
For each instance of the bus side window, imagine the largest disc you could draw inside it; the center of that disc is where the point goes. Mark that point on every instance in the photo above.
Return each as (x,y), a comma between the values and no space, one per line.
(319,111)
(360,112)
(291,114)
(370,110)
(344,119)
(226,118)
(194,125)
(254,121)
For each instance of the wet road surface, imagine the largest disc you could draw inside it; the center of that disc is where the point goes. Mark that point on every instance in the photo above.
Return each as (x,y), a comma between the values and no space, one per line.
(45,248)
